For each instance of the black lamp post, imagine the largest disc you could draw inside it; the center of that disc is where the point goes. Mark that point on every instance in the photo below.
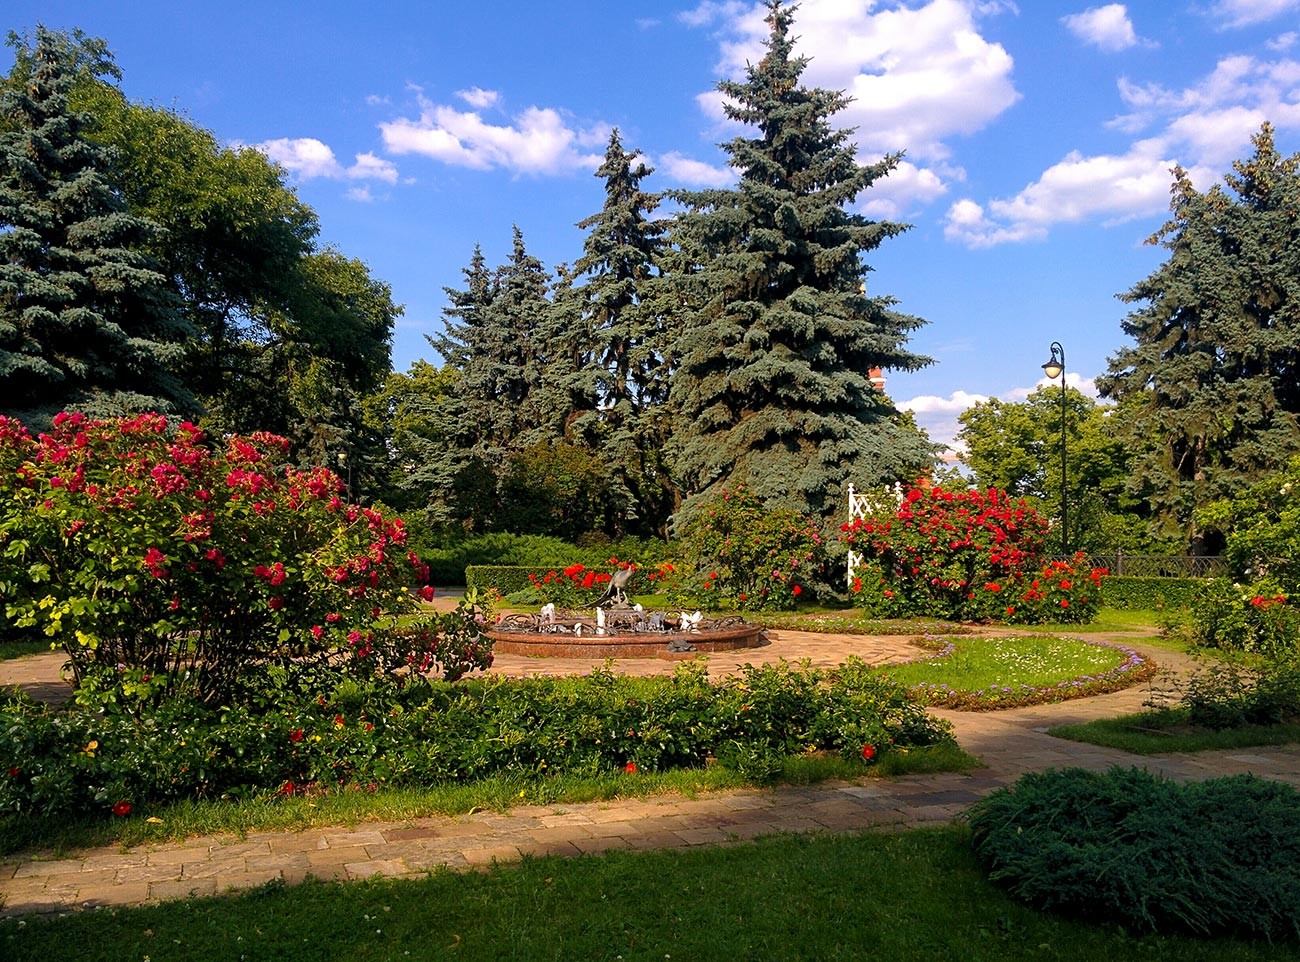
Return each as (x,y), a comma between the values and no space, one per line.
(1054,368)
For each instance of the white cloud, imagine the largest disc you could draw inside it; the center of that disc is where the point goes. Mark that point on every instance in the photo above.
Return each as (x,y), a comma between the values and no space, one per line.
(694,173)
(1283,41)
(1202,127)
(361,194)
(918,75)
(1107,28)
(375,100)
(478,98)
(308,158)
(938,415)
(1243,13)
(891,197)
(538,141)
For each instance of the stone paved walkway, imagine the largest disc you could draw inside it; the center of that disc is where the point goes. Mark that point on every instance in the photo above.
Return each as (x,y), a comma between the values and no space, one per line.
(1009,742)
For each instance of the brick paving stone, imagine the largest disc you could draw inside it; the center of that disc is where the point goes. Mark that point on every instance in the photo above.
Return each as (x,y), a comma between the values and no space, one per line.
(247,880)
(349,839)
(653,840)
(701,836)
(127,893)
(565,818)
(495,853)
(337,856)
(69,866)
(296,842)
(181,888)
(539,849)
(369,867)
(407,834)
(177,856)
(591,846)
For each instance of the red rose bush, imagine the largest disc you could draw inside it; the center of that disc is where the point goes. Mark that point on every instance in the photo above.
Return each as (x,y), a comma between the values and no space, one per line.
(162,562)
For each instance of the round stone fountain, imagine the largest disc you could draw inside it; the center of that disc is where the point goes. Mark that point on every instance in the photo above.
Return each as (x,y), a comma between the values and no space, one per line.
(621,631)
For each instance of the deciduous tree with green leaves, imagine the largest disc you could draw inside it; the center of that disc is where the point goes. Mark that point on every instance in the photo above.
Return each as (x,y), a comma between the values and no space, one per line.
(773,386)
(1014,446)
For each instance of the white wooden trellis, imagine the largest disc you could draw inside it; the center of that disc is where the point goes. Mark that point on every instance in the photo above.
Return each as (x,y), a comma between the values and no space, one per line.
(863,505)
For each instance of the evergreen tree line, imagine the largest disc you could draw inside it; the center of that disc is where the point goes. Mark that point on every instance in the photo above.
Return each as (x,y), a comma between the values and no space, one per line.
(143,265)
(730,343)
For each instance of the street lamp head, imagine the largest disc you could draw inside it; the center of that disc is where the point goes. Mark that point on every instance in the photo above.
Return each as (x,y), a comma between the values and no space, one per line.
(1055,365)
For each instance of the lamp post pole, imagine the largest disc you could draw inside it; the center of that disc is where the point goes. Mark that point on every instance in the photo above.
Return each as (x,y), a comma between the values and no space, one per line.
(1054,368)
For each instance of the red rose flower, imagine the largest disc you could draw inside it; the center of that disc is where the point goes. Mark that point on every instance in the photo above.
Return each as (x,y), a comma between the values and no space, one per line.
(630,768)
(295,735)
(427,592)
(796,591)
(868,752)
(121,809)
(14,772)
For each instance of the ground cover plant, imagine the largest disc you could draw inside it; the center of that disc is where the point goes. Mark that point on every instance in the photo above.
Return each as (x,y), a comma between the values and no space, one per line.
(58,761)
(1216,857)
(966,555)
(983,673)
(878,897)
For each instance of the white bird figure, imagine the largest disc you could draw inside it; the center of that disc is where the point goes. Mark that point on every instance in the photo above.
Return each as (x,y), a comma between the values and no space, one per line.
(548,614)
(638,609)
(690,622)
(600,621)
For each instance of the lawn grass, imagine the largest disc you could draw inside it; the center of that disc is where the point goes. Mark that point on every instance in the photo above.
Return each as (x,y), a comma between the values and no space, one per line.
(21,649)
(1167,730)
(189,819)
(880,897)
(1014,662)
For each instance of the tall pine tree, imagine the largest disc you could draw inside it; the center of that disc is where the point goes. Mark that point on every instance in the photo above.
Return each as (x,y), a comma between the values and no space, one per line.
(86,321)
(1214,373)
(773,388)
(626,380)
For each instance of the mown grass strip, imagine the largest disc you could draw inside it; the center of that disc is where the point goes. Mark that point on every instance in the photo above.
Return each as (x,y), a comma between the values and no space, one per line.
(880,897)
(1158,732)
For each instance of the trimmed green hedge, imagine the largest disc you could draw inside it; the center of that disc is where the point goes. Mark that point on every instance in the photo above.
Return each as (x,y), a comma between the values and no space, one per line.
(1151,594)
(449,563)
(506,579)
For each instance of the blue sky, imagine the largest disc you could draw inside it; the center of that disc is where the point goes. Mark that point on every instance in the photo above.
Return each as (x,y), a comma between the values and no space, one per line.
(1038,136)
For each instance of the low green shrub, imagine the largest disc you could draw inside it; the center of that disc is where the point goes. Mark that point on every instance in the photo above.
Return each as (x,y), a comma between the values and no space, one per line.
(1214,857)
(360,733)
(1151,594)
(742,554)
(1257,619)
(1232,694)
